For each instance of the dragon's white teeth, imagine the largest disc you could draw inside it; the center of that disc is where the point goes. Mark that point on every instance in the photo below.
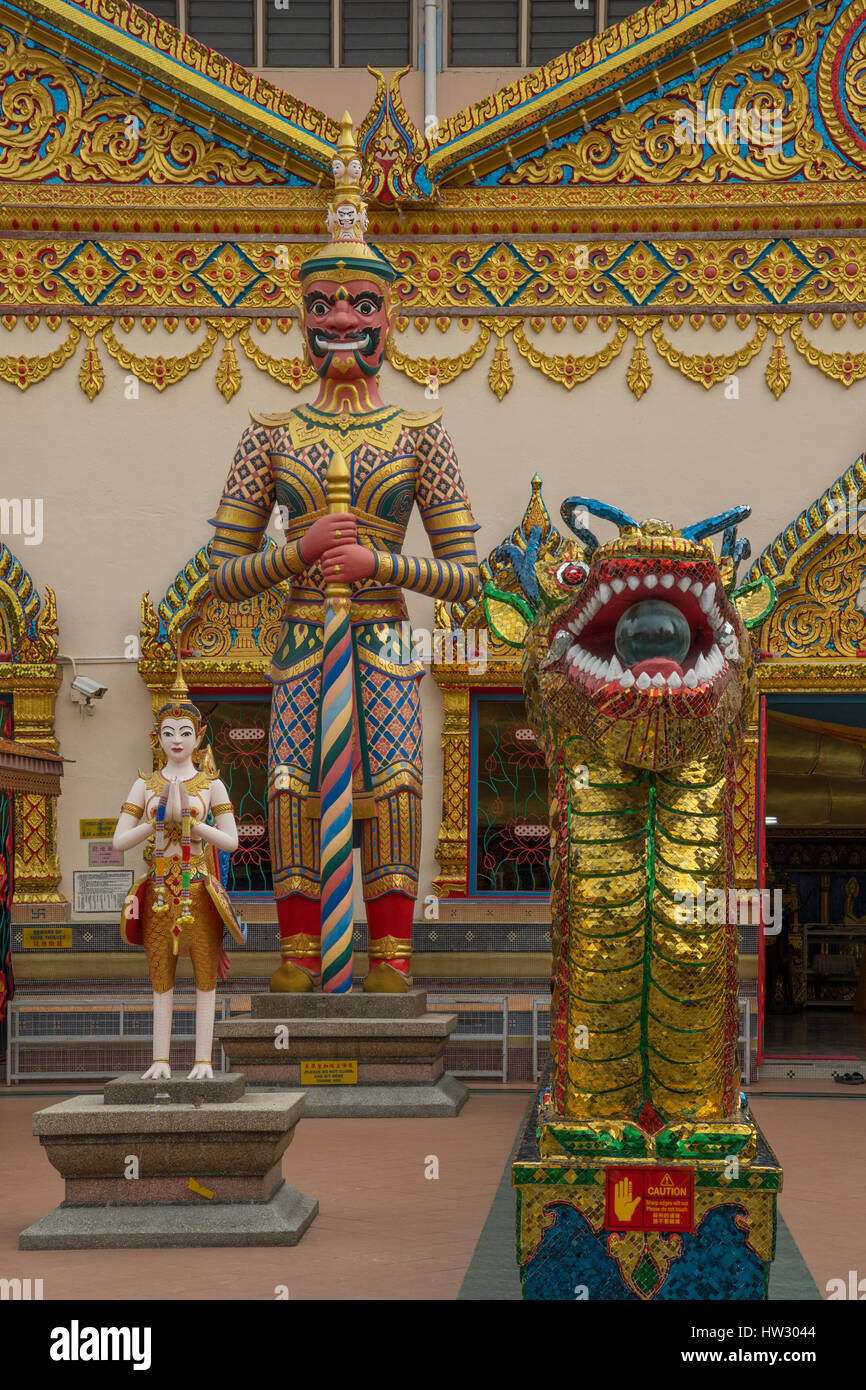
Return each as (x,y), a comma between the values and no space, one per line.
(697,588)
(650,580)
(633,582)
(659,680)
(604,673)
(643,681)
(604,593)
(614,670)
(717,661)
(690,679)
(627,680)
(703,670)
(707,598)
(674,680)
(667,581)
(617,585)
(716,616)
(684,584)
(574,653)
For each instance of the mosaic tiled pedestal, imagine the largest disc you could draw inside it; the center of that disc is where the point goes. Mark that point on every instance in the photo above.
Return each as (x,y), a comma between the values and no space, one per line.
(567,1250)
(171,1163)
(354,1055)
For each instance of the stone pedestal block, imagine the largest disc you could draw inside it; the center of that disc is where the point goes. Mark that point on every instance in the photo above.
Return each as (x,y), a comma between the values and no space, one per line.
(171,1163)
(392,1046)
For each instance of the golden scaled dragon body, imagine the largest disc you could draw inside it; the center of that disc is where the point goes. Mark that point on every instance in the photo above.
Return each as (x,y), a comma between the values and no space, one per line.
(637,665)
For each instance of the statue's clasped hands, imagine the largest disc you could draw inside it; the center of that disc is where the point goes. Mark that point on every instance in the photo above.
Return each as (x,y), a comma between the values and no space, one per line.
(333,541)
(176,803)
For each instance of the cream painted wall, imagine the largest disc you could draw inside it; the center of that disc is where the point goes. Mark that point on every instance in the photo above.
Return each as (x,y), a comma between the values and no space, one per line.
(128,485)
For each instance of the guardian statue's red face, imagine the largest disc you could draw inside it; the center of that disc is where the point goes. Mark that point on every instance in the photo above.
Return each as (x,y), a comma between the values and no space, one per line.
(346,324)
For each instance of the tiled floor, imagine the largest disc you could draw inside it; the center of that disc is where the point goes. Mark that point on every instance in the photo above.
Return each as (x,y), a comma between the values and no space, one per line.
(822,1032)
(820,1144)
(386,1231)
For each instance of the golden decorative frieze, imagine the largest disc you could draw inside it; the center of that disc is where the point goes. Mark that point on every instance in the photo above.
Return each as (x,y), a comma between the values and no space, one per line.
(174,69)
(290,214)
(232,643)
(30,679)
(61,122)
(651,141)
(814,638)
(568,369)
(817,613)
(596,76)
(585,273)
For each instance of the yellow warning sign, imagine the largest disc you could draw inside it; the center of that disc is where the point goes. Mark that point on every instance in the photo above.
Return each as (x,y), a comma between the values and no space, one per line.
(47,938)
(97,829)
(329,1073)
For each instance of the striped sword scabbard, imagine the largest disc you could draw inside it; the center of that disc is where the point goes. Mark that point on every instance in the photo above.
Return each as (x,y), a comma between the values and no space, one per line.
(337,886)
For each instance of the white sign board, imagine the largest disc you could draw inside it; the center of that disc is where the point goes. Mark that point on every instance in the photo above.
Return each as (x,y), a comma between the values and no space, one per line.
(100,890)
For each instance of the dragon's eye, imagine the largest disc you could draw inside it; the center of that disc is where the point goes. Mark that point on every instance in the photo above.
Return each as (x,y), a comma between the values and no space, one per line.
(572,574)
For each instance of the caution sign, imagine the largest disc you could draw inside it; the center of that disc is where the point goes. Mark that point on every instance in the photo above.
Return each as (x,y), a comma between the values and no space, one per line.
(47,938)
(329,1073)
(650,1199)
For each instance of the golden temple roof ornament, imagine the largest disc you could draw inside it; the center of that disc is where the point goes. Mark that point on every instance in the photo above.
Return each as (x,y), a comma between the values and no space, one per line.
(346,254)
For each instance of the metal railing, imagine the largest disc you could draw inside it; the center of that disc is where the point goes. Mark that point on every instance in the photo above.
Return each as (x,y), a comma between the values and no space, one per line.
(476,1010)
(103,1025)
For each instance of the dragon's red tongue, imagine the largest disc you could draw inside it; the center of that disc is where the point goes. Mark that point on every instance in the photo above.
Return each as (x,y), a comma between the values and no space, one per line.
(657,666)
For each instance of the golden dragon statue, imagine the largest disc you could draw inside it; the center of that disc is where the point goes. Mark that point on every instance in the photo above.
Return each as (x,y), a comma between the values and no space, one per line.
(637,666)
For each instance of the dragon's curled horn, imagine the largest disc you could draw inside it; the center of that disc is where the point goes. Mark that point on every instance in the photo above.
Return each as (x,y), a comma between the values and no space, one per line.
(575,510)
(714,524)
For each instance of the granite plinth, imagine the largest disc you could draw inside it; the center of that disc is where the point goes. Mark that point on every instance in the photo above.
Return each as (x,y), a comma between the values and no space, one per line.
(131,1168)
(355,1004)
(130,1089)
(83,1137)
(369,1073)
(214,1187)
(399,1048)
(442,1099)
(281,1220)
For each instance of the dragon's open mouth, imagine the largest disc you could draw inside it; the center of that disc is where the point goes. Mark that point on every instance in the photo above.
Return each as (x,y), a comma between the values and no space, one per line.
(647,625)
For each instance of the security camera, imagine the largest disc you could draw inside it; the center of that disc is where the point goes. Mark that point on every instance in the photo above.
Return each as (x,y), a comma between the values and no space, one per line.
(85,691)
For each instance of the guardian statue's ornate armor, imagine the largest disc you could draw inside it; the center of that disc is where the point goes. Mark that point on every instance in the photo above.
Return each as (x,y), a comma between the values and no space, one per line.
(396,459)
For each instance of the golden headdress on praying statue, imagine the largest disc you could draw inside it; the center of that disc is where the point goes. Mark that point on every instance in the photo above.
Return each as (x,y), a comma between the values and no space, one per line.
(180,706)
